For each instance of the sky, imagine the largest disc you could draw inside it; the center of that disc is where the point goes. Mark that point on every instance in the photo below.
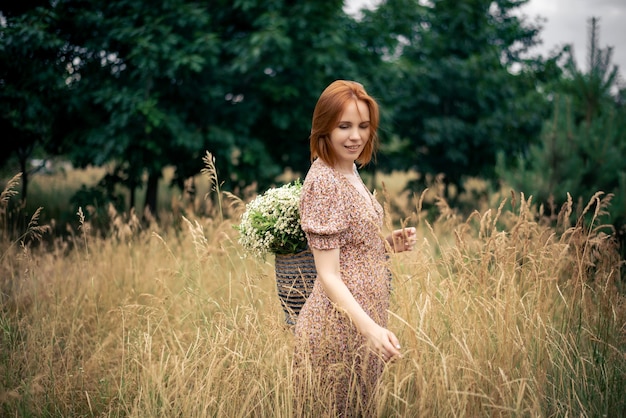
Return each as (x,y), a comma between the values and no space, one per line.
(567,23)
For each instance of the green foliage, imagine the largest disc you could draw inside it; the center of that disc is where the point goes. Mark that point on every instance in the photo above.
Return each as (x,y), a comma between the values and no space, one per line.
(459,90)
(144,73)
(32,92)
(578,159)
(141,88)
(94,203)
(591,90)
(153,86)
(582,146)
(279,56)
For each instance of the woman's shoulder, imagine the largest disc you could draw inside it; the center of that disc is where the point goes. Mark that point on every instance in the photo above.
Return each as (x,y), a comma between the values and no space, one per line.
(320,172)
(321,182)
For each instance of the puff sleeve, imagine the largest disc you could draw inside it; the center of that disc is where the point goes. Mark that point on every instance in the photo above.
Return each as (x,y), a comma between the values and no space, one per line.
(323,212)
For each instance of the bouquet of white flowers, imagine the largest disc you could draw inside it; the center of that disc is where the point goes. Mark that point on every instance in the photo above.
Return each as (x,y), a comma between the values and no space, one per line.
(271,222)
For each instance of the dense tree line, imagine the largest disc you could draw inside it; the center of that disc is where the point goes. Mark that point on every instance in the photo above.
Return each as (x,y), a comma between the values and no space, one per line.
(145,85)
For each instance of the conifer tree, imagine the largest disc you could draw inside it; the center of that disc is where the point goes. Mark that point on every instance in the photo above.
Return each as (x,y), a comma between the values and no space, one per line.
(583,144)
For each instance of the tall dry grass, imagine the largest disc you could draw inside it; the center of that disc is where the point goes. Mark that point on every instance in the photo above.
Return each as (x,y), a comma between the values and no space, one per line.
(498,314)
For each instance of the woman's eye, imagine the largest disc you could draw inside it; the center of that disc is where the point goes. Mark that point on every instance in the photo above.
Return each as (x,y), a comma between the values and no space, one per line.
(348,126)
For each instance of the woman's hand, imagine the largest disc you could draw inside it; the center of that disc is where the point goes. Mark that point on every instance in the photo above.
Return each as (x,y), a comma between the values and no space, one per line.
(383,342)
(402,239)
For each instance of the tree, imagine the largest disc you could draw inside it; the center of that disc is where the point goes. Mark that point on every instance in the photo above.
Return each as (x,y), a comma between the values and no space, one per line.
(280,55)
(572,157)
(150,87)
(142,85)
(592,90)
(464,90)
(582,143)
(32,90)
(385,72)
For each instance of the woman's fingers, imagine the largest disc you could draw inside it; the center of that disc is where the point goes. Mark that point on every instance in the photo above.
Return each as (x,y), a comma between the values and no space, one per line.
(404,239)
(384,343)
(391,347)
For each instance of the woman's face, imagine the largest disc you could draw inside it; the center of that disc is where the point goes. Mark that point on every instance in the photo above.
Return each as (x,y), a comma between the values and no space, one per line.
(351,134)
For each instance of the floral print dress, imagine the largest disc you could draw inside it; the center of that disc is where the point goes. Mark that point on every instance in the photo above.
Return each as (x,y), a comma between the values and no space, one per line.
(335,215)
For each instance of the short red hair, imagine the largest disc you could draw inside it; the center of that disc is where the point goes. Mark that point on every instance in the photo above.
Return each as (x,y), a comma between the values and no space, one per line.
(328,110)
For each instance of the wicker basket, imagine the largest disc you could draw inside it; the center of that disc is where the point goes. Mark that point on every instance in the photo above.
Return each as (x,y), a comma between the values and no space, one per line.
(295,276)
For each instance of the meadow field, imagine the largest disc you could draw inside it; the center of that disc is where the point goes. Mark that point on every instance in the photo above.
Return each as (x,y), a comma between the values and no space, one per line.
(508,312)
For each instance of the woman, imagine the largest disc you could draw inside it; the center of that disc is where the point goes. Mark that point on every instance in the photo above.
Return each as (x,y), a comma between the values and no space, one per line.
(341,337)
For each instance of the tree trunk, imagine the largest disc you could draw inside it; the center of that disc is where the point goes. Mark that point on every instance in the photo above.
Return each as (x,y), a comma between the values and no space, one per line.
(150,205)
(133,198)
(24,169)
(23,154)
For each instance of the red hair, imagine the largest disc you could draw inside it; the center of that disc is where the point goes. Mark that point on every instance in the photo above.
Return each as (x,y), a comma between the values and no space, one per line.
(328,110)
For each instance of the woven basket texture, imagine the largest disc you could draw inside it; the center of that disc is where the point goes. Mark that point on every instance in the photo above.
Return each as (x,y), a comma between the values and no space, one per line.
(295,276)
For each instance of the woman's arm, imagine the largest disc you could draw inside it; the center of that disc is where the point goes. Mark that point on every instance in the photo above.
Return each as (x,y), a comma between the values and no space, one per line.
(381,340)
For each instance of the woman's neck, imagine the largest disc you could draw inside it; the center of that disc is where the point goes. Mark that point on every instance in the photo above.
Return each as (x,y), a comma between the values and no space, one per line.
(345,169)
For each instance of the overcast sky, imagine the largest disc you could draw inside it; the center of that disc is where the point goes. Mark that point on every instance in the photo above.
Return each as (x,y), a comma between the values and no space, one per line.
(567,23)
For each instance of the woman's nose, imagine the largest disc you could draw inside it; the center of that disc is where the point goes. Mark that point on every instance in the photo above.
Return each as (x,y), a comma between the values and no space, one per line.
(355,134)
